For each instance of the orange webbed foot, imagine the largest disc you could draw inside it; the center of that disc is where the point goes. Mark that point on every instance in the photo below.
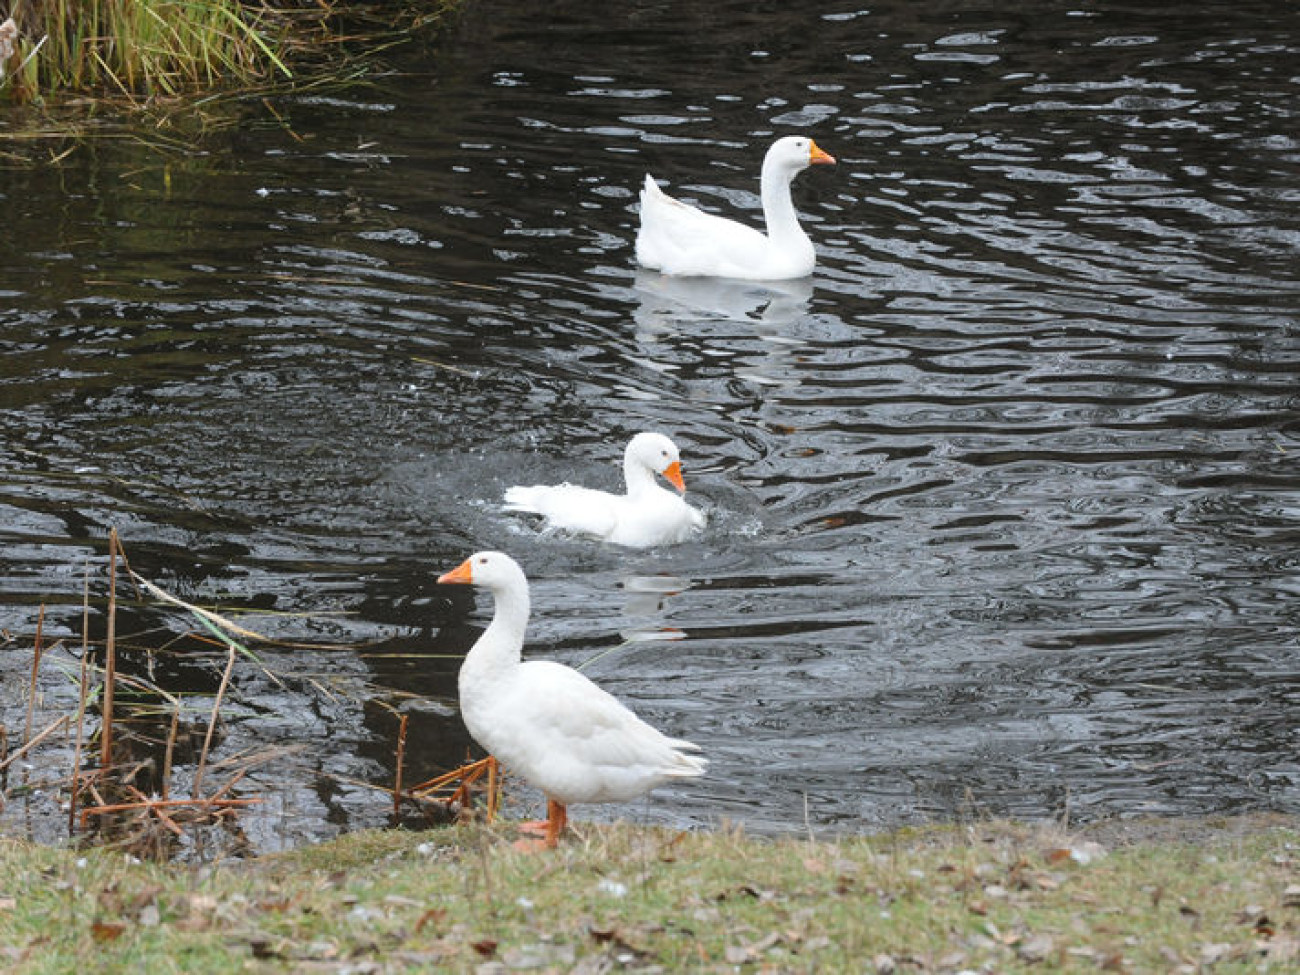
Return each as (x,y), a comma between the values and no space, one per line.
(550,828)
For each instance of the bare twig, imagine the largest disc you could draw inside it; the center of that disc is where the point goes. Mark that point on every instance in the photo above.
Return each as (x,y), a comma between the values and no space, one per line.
(397,778)
(152,804)
(110,656)
(171,747)
(37,650)
(54,726)
(212,723)
(81,700)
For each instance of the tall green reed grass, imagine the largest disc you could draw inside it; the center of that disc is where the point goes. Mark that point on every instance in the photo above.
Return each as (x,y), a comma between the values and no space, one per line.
(140,48)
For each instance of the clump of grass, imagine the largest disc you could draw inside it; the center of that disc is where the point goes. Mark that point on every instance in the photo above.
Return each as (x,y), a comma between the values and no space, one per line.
(139,48)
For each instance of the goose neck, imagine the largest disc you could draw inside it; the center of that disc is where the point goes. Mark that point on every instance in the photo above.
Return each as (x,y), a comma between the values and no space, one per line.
(502,642)
(638,477)
(778,208)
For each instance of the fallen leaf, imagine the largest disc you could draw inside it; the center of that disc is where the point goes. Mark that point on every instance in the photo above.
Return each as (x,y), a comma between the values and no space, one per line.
(432,915)
(735,955)
(141,899)
(771,940)
(556,956)
(260,945)
(1036,948)
(1212,954)
(317,951)
(1175,961)
(1281,949)
(107,930)
(486,947)
(397,900)
(740,954)
(748,890)
(1087,852)
(666,854)
(612,888)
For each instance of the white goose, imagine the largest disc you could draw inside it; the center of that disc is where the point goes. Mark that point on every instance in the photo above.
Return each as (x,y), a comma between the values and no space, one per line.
(547,722)
(677,238)
(646,515)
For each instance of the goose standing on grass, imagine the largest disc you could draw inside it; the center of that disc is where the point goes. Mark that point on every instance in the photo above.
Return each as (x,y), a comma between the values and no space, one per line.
(677,238)
(548,723)
(646,515)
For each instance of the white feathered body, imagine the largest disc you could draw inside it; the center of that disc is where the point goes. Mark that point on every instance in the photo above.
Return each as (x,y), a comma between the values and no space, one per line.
(646,515)
(652,516)
(568,738)
(550,724)
(677,238)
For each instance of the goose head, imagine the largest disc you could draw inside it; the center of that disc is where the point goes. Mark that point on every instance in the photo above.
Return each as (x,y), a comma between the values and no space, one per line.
(495,571)
(795,153)
(655,452)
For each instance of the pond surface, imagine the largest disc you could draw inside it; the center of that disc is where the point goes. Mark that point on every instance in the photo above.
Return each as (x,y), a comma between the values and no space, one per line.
(1004,501)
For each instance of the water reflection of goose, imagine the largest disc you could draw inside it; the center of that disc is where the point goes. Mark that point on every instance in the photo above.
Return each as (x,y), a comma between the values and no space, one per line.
(698,308)
(646,595)
(548,723)
(677,238)
(662,299)
(646,515)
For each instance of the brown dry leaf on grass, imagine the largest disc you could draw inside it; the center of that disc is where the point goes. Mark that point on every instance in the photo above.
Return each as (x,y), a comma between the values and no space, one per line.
(107,930)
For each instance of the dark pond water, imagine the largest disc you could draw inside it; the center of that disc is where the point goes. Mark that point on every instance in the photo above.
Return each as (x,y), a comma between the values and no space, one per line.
(1004,500)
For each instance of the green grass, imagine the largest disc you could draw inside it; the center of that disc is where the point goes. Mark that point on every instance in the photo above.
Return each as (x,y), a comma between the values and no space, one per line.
(997,897)
(141,48)
(144,51)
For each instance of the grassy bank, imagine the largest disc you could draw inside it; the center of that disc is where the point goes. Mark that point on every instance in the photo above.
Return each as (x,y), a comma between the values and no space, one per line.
(140,51)
(1221,895)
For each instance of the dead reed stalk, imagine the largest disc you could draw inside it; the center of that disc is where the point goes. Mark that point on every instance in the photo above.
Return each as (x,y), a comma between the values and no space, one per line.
(231,647)
(397,778)
(110,657)
(81,701)
(37,650)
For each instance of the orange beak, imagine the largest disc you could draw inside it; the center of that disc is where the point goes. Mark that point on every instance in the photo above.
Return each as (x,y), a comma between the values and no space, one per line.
(674,474)
(817,155)
(462,573)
